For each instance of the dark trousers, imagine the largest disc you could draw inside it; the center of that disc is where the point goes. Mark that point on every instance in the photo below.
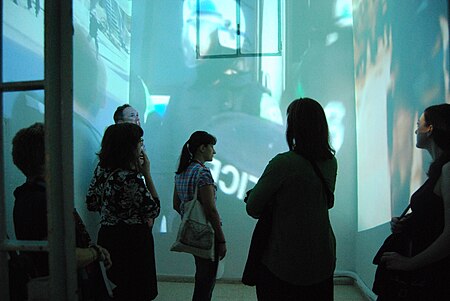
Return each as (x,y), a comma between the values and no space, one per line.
(133,261)
(205,278)
(271,288)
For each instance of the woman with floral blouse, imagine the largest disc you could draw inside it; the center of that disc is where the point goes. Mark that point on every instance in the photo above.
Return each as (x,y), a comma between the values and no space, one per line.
(118,191)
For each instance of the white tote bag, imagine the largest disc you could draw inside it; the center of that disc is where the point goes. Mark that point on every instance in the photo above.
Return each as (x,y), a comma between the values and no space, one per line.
(196,234)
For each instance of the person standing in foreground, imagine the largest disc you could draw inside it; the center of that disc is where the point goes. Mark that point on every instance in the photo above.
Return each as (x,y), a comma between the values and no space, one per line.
(126,113)
(118,191)
(428,224)
(299,260)
(30,218)
(192,174)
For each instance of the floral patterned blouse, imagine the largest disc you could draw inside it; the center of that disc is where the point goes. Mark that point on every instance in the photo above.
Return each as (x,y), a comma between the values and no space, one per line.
(120,196)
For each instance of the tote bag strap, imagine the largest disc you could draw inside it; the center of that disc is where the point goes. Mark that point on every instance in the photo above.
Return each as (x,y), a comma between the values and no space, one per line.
(194,197)
(193,200)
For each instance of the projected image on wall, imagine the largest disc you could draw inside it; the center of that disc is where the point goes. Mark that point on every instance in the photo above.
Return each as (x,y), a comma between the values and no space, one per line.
(235,98)
(101,72)
(190,71)
(105,24)
(392,91)
(101,27)
(101,56)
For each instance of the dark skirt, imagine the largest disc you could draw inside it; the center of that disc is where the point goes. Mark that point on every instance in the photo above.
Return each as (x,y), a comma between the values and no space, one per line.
(133,268)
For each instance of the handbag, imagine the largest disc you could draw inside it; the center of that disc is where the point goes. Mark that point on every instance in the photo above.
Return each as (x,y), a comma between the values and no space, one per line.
(196,234)
(396,284)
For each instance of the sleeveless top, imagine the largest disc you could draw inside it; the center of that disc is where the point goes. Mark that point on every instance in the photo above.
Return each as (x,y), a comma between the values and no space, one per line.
(427,219)
(425,226)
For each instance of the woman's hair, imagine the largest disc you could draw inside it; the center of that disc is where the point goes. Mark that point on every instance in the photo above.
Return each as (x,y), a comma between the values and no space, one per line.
(119,146)
(439,117)
(28,150)
(307,130)
(190,147)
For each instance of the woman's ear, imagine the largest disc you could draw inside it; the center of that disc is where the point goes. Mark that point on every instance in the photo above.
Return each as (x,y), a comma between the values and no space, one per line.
(202,148)
(430,130)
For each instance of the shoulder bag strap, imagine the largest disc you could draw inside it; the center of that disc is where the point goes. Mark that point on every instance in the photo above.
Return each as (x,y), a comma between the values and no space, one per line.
(195,197)
(330,195)
(405,211)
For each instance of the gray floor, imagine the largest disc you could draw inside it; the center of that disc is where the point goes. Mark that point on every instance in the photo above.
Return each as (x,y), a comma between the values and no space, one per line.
(182,291)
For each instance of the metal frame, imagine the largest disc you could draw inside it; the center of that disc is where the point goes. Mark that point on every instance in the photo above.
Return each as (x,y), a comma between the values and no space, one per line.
(57,85)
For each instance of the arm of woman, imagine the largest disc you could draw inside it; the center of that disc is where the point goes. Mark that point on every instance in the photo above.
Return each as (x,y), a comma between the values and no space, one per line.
(85,256)
(439,249)
(93,201)
(145,170)
(207,198)
(176,201)
(263,192)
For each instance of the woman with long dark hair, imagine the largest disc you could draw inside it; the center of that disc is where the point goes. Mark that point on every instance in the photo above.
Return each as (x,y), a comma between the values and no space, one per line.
(191,174)
(118,191)
(299,261)
(428,224)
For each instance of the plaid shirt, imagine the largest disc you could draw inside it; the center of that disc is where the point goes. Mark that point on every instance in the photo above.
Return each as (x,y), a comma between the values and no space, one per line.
(196,174)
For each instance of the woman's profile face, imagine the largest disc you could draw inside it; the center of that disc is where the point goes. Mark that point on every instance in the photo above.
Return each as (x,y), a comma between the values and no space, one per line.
(209,152)
(422,130)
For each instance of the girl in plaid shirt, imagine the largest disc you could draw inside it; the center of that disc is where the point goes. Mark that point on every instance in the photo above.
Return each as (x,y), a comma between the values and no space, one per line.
(193,173)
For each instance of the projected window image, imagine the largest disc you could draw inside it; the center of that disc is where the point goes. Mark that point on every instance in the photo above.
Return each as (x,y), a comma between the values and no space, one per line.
(225,96)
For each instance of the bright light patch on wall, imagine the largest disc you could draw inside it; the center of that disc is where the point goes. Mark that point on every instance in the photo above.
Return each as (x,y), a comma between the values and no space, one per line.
(158,103)
(343,12)
(335,112)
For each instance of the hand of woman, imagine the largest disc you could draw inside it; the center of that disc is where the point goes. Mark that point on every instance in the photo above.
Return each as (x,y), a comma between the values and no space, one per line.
(247,194)
(105,257)
(144,168)
(221,250)
(398,224)
(395,261)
